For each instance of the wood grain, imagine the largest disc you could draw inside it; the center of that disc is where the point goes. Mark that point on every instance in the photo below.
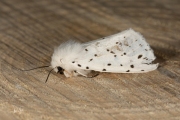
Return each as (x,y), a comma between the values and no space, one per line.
(29,31)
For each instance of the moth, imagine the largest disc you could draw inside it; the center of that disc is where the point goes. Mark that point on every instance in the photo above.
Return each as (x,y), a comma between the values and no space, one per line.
(124,52)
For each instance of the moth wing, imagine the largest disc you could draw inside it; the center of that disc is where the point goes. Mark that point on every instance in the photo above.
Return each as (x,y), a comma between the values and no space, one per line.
(120,53)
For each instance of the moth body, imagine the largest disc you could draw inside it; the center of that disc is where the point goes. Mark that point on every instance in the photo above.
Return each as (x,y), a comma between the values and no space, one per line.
(125,52)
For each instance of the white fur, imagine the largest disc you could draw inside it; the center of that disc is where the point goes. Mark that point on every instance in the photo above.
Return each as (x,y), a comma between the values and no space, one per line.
(125,52)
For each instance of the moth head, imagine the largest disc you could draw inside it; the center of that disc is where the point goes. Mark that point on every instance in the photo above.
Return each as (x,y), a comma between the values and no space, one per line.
(57,61)
(60,70)
(57,65)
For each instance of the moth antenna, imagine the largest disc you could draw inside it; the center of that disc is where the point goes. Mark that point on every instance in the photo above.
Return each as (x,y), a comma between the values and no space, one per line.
(36,68)
(39,68)
(42,67)
(49,74)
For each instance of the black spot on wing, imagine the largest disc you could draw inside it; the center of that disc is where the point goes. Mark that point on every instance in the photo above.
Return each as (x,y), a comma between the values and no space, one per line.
(90,60)
(87,67)
(109,64)
(79,65)
(112,52)
(128,71)
(132,66)
(139,56)
(104,70)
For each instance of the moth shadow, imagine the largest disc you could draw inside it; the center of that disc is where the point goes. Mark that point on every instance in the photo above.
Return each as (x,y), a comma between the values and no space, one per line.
(164,54)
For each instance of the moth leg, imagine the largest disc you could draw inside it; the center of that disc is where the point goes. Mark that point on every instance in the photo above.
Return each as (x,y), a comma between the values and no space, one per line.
(88,74)
(75,73)
(81,74)
(67,74)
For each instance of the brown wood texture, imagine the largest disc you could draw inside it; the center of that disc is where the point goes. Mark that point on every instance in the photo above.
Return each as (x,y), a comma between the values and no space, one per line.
(29,31)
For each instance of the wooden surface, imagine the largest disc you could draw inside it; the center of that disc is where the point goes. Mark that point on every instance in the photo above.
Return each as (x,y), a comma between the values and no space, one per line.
(29,31)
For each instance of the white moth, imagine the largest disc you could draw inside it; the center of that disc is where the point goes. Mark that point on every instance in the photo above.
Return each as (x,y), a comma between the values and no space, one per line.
(125,52)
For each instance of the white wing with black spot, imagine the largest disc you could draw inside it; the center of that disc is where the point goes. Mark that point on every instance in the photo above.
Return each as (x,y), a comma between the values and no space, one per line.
(124,52)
